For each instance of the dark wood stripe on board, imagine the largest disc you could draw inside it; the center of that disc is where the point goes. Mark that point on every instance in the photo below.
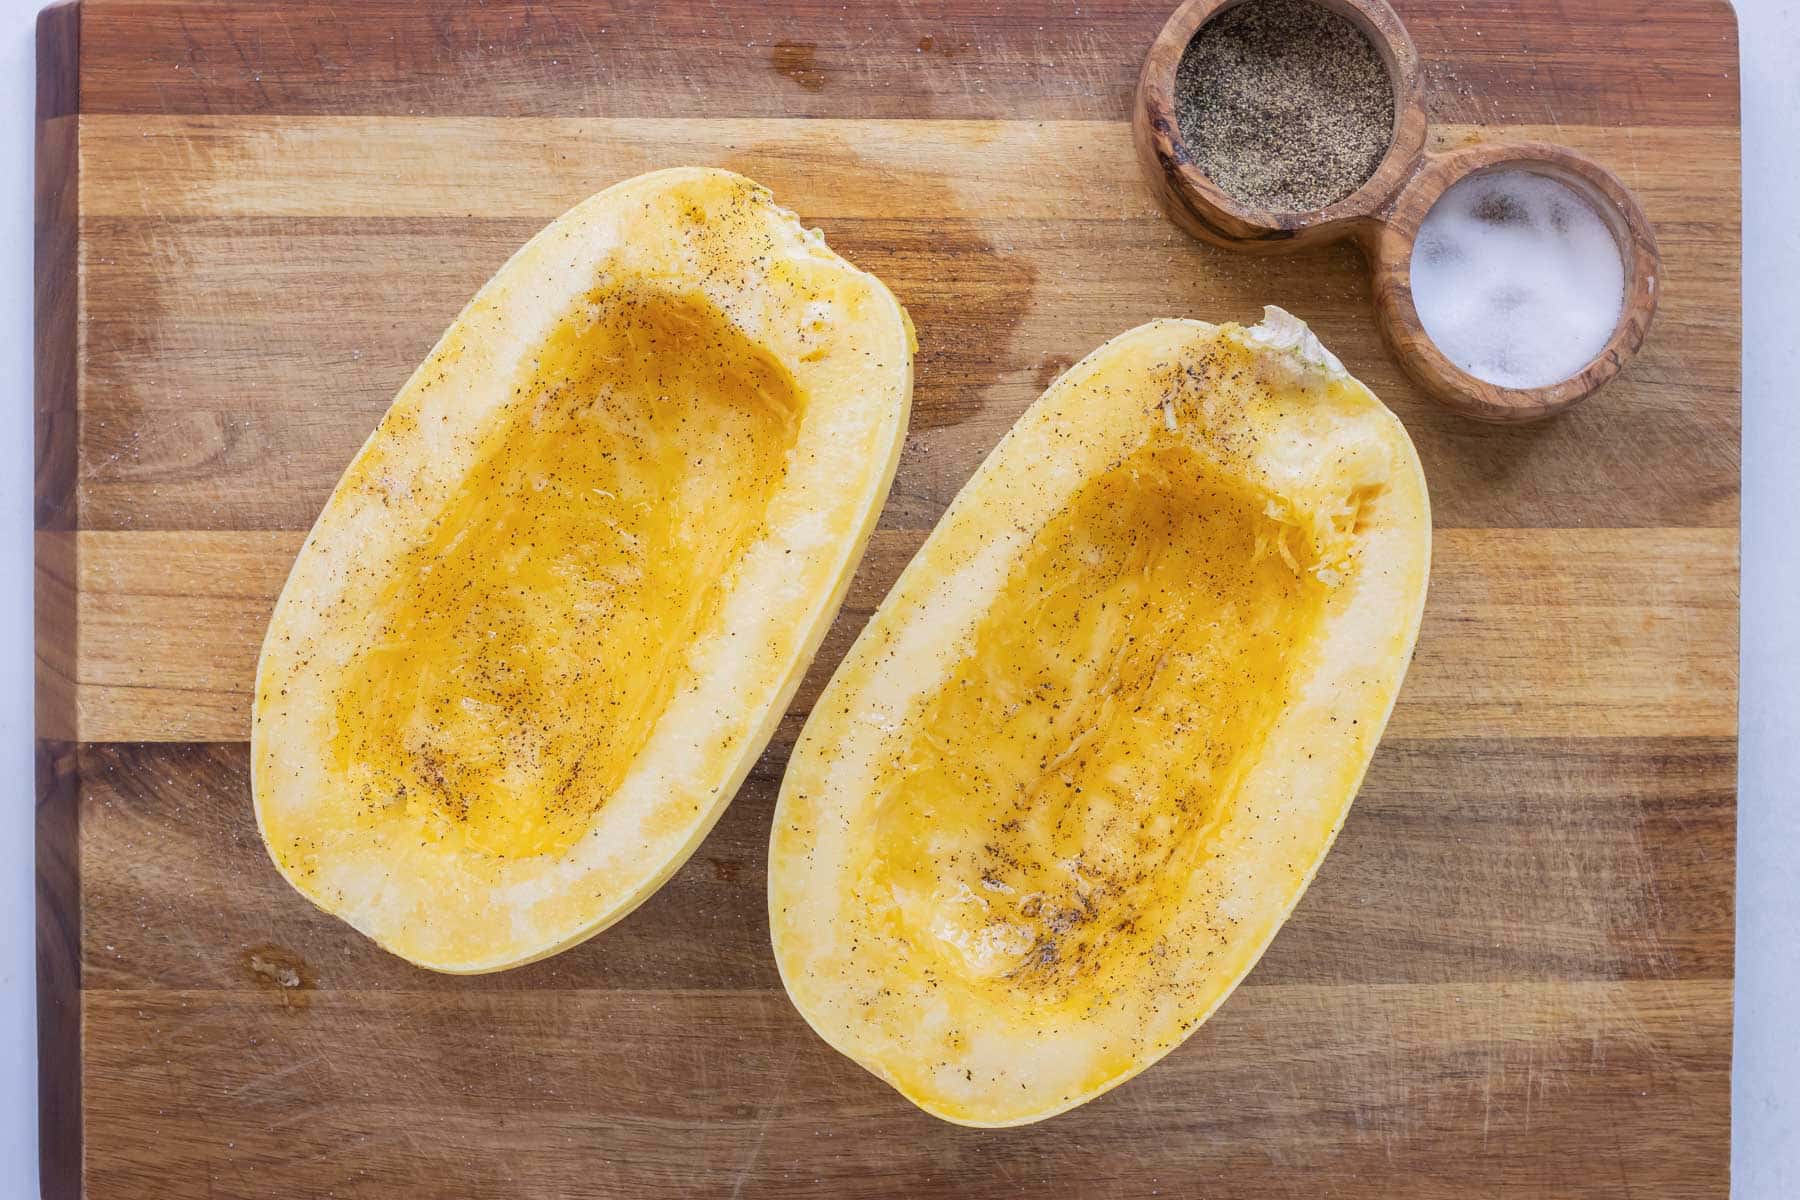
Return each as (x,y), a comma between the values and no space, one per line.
(1465,859)
(1520,62)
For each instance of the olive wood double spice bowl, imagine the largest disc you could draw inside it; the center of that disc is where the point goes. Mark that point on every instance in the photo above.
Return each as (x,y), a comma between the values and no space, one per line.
(1383,216)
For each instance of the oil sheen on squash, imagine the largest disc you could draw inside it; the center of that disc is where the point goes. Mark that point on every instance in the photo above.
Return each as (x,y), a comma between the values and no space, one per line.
(1063,778)
(528,647)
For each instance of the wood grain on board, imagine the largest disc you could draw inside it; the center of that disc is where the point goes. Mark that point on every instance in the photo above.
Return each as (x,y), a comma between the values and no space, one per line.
(1513,974)
(1622,645)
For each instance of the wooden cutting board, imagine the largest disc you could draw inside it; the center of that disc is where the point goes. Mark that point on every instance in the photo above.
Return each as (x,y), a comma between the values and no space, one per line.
(1513,975)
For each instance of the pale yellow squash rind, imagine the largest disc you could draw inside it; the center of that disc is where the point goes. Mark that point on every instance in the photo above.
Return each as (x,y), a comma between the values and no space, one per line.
(1267,404)
(708,235)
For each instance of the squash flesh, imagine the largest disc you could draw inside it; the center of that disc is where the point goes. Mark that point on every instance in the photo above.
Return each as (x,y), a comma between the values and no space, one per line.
(1056,793)
(528,646)
(945,907)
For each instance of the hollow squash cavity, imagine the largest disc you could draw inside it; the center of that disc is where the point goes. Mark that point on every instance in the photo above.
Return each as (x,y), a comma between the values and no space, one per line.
(527,647)
(1064,776)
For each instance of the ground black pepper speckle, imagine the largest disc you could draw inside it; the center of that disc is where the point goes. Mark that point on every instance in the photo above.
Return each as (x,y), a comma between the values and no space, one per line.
(1284,105)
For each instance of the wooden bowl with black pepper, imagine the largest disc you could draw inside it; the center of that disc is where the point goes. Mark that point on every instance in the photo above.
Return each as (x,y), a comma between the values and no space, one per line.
(1313,130)
(1331,152)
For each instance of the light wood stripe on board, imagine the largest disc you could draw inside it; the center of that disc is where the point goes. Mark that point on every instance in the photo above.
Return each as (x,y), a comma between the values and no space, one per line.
(1528,633)
(172,166)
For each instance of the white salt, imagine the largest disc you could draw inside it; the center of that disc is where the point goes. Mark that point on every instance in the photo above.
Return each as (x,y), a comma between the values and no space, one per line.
(1517,279)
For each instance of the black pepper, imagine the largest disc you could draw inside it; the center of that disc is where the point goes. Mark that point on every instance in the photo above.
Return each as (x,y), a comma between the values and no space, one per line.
(1284,104)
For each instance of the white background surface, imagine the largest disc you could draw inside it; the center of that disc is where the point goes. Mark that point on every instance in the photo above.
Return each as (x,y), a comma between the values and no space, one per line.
(1766,1078)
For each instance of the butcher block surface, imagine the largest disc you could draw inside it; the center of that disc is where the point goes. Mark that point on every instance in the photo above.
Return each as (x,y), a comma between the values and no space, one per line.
(1513,975)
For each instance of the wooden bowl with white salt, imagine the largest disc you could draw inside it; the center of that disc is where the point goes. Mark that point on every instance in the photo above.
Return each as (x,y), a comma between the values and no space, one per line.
(1511,280)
